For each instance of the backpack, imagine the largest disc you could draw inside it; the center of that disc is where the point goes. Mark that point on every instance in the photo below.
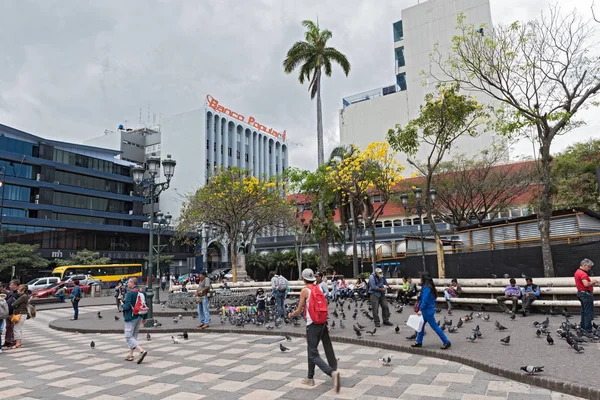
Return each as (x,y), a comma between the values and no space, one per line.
(3,309)
(317,306)
(282,284)
(140,307)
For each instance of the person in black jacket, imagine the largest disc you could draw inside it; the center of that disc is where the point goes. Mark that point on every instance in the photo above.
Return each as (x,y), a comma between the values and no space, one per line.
(9,339)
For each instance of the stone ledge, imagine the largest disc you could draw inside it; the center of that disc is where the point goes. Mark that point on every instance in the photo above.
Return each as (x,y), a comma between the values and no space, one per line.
(545,382)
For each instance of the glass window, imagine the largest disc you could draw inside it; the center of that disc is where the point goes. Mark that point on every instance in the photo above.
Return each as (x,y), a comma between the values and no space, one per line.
(398,31)
(401,81)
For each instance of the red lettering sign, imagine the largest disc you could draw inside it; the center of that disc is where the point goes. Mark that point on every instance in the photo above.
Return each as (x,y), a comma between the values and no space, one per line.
(214,104)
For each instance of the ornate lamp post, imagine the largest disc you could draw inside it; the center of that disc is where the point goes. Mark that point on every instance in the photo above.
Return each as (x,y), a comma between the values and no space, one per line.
(418,194)
(163,221)
(150,189)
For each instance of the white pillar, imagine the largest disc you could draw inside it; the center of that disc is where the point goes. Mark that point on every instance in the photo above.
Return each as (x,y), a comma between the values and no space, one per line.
(211,144)
(226,143)
(234,148)
(219,141)
(271,144)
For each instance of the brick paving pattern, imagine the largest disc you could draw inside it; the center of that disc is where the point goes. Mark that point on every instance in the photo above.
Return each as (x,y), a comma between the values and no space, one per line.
(219,365)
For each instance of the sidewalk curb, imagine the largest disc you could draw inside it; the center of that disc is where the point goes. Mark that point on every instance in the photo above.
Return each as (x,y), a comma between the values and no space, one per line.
(545,382)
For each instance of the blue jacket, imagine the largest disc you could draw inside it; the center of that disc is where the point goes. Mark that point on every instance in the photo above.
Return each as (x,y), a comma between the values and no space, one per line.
(75,292)
(129,303)
(535,289)
(376,283)
(427,300)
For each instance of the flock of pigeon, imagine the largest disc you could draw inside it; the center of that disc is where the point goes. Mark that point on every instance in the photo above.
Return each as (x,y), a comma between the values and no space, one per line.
(568,331)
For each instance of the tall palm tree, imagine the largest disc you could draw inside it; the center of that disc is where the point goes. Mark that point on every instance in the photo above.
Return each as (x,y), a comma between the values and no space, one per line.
(313,56)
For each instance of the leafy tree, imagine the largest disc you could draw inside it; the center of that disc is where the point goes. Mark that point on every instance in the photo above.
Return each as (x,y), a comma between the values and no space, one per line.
(446,116)
(362,174)
(20,256)
(542,75)
(470,188)
(257,266)
(239,206)
(84,257)
(574,176)
(313,57)
(339,261)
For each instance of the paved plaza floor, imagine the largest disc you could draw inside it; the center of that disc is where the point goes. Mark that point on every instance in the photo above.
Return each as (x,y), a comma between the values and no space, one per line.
(219,365)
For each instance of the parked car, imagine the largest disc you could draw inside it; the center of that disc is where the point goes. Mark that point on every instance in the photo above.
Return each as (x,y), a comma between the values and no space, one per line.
(41,283)
(83,279)
(218,273)
(51,290)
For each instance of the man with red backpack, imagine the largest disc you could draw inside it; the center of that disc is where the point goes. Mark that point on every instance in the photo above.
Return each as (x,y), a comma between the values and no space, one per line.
(314,303)
(134,314)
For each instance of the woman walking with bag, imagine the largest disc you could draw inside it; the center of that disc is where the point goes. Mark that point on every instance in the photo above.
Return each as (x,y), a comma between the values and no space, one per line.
(19,315)
(75,296)
(427,311)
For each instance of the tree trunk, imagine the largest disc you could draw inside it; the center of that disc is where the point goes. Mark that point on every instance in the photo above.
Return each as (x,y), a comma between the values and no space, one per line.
(323,240)
(354,246)
(545,211)
(439,247)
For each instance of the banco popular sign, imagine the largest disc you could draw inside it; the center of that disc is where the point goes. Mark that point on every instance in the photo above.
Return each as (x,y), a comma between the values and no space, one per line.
(214,104)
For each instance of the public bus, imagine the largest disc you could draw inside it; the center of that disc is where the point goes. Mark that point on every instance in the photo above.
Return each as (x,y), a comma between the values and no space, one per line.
(108,274)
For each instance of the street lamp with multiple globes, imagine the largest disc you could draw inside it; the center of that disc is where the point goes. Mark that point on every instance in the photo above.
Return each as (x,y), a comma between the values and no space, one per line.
(163,221)
(150,189)
(418,194)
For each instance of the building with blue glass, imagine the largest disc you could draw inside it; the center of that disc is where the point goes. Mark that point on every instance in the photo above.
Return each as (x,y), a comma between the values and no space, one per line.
(67,197)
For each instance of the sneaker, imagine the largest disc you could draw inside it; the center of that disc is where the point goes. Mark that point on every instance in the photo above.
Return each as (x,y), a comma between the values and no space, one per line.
(446,346)
(335,376)
(388,323)
(449,312)
(377,325)
(308,382)
(416,345)
(142,356)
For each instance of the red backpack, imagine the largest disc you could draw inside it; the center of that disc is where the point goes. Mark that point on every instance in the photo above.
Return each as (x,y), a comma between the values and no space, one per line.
(140,307)
(317,306)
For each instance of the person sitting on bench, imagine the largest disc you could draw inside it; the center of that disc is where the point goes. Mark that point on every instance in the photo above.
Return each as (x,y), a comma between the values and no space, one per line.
(513,293)
(453,291)
(530,294)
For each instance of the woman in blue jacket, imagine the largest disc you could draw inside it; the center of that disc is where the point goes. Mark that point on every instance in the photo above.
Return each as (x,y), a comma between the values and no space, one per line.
(75,296)
(427,311)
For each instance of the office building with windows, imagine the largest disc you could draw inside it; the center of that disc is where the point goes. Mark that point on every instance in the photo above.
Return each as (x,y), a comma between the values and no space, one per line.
(367,116)
(67,197)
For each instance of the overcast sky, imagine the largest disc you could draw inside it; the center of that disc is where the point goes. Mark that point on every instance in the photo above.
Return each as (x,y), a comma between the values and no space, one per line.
(71,69)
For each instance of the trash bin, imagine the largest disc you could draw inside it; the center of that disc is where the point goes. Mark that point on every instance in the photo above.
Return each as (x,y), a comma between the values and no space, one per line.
(93,290)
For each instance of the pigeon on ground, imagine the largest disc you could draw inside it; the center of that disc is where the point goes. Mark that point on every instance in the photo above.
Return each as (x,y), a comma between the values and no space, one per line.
(505,340)
(549,339)
(438,310)
(500,326)
(397,329)
(453,329)
(175,320)
(459,323)
(184,335)
(472,338)
(412,337)
(531,369)
(148,337)
(358,334)
(373,331)
(342,324)
(175,341)
(577,347)
(269,326)
(399,311)
(180,316)
(486,318)
(288,338)
(538,333)
(512,316)
(360,326)
(282,348)
(386,360)
(99,316)
(117,318)
(333,324)
(92,344)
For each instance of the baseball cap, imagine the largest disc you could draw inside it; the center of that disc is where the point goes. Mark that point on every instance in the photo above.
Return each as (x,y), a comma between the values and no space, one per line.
(378,272)
(308,275)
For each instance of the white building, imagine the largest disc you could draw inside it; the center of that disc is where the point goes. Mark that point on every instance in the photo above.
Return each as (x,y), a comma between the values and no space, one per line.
(202,142)
(367,117)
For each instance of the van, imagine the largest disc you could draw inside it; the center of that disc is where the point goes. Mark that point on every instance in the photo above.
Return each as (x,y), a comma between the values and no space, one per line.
(41,283)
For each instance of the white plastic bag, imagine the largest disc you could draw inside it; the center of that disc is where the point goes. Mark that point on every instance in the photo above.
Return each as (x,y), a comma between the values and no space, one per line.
(415,322)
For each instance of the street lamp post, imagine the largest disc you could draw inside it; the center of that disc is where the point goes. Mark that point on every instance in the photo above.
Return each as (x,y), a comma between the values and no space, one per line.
(163,221)
(151,189)
(2,186)
(418,194)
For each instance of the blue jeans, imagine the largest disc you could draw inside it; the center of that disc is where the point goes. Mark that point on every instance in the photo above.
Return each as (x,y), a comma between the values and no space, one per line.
(429,318)
(448,296)
(203,312)
(587,310)
(75,308)
(279,301)
(2,324)
(61,297)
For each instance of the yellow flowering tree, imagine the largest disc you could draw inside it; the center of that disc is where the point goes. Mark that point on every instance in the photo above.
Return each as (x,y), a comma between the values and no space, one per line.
(239,206)
(359,176)
(445,117)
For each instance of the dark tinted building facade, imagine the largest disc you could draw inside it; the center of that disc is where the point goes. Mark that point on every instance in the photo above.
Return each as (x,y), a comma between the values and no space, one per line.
(67,197)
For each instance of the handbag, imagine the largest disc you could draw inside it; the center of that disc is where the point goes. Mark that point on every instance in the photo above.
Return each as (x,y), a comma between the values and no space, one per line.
(417,305)
(15,318)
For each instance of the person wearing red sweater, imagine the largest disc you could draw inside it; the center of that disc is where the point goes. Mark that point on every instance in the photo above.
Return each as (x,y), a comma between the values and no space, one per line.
(585,293)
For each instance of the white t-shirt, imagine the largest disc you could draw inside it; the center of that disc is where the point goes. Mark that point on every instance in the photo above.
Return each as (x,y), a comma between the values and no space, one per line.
(308,320)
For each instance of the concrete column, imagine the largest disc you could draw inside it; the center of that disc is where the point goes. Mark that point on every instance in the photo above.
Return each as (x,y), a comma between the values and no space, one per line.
(219,141)
(211,144)
(271,144)
(226,143)
(234,147)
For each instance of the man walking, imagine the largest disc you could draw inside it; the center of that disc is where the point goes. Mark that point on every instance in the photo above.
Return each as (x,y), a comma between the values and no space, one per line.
(512,293)
(316,331)
(132,321)
(377,290)
(202,298)
(279,286)
(585,294)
